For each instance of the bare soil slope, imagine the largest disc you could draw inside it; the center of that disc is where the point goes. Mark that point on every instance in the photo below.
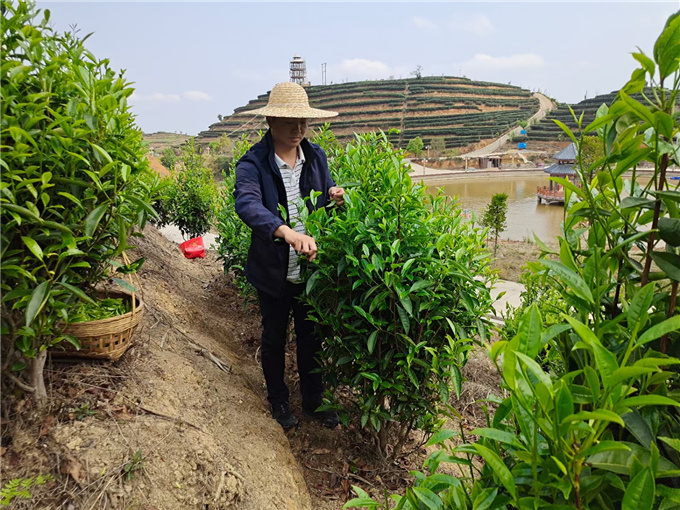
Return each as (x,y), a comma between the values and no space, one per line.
(205,435)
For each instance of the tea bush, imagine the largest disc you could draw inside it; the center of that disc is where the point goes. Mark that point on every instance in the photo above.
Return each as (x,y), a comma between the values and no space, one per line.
(398,290)
(75,182)
(555,442)
(600,429)
(169,158)
(233,240)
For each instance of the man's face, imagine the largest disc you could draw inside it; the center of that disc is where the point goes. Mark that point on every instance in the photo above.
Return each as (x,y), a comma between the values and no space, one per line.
(287,133)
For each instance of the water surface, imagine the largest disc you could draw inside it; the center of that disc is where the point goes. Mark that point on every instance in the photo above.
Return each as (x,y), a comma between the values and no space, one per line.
(525,215)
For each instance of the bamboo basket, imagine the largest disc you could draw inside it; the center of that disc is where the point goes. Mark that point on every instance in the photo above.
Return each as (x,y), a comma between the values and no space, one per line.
(104,338)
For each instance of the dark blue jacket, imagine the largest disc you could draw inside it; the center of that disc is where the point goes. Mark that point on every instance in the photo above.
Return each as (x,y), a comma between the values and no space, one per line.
(258,192)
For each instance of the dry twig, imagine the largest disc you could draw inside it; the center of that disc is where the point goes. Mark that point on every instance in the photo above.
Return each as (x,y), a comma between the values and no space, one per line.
(169,418)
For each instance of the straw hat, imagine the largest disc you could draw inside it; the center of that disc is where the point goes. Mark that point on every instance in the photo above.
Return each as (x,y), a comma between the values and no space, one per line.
(290,100)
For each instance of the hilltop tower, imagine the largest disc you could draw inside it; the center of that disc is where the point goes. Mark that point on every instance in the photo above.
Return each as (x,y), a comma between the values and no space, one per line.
(298,71)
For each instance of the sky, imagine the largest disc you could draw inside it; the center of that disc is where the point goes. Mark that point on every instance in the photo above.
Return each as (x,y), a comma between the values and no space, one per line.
(193,61)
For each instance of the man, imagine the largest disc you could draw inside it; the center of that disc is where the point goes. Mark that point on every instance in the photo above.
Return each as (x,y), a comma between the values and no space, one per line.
(275,172)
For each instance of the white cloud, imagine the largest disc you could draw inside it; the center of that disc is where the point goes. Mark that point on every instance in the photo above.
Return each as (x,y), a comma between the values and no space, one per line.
(477,24)
(156,97)
(422,23)
(524,62)
(197,95)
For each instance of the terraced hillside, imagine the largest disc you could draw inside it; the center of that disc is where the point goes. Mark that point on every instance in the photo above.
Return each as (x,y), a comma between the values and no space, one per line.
(547,130)
(459,110)
(161,140)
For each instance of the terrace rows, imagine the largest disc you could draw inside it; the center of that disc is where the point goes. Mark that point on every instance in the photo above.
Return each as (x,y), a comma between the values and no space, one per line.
(459,110)
(548,130)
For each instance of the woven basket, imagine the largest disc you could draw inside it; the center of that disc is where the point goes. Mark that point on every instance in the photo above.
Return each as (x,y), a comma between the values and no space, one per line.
(103,338)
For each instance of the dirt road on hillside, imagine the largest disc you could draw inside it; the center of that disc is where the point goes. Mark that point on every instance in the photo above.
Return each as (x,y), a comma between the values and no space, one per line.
(546,105)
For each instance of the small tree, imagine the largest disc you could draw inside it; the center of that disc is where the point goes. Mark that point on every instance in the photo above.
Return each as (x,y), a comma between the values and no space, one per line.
(415,146)
(438,146)
(592,152)
(495,217)
(191,197)
(417,72)
(169,158)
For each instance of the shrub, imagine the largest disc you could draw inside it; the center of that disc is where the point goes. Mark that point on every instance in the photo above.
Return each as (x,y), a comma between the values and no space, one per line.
(222,164)
(75,181)
(600,430)
(191,195)
(327,140)
(233,240)
(537,289)
(556,440)
(398,290)
(169,158)
(438,146)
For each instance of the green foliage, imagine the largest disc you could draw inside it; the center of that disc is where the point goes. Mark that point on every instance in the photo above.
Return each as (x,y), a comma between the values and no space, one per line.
(192,194)
(233,240)
(21,488)
(327,140)
(75,181)
(83,411)
(438,146)
(220,157)
(103,309)
(169,158)
(495,217)
(556,440)
(133,465)
(592,152)
(415,146)
(598,429)
(398,290)
(221,164)
(537,289)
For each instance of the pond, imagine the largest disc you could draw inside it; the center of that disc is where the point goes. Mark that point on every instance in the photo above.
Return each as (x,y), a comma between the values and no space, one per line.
(525,215)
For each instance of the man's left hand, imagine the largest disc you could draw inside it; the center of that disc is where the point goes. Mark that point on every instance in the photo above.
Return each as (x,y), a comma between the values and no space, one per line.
(336,194)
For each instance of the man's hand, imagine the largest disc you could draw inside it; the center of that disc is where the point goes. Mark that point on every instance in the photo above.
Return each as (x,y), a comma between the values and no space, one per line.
(336,194)
(301,243)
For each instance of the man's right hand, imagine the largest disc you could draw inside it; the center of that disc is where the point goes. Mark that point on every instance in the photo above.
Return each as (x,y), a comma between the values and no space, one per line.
(301,243)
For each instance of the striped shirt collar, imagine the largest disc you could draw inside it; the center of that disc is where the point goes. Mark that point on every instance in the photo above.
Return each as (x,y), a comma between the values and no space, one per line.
(282,164)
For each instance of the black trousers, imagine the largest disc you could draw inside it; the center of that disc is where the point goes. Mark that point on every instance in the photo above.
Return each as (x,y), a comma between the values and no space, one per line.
(275,314)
